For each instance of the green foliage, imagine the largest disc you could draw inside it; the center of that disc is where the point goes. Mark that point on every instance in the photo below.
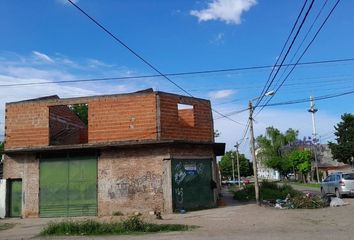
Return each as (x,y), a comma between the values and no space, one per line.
(301,160)
(343,150)
(90,227)
(268,191)
(225,165)
(271,145)
(81,111)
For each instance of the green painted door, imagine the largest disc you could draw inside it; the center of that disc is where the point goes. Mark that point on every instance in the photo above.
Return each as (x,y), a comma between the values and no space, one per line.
(192,185)
(15,208)
(68,187)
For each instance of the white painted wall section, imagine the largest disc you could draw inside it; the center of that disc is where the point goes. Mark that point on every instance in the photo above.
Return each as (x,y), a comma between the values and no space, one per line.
(2,198)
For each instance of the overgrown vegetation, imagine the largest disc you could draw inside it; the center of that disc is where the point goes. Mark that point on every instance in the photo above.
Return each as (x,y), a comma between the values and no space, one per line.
(5,226)
(131,225)
(268,191)
(272,193)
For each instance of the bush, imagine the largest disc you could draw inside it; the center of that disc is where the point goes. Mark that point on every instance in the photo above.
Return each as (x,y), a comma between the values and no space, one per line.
(90,227)
(268,191)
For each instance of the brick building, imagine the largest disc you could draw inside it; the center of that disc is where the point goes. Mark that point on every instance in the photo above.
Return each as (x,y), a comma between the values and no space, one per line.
(141,151)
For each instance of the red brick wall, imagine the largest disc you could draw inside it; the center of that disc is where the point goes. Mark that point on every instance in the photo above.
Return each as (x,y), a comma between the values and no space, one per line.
(173,128)
(26,125)
(186,117)
(131,180)
(66,127)
(113,118)
(127,117)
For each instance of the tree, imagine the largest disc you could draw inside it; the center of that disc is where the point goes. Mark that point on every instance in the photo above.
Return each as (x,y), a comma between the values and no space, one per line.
(343,150)
(81,110)
(301,161)
(225,165)
(270,148)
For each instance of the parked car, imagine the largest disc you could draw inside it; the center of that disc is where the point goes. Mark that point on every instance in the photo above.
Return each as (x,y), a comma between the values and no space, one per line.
(243,181)
(338,184)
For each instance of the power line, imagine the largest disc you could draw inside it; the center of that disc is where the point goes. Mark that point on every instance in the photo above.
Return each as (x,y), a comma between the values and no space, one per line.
(140,57)
(303,40)
(178,73)
(281,52)
(303,53)
(287,52)
(295,101)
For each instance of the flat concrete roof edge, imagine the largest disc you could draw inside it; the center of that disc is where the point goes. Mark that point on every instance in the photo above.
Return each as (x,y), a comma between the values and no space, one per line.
(219,148)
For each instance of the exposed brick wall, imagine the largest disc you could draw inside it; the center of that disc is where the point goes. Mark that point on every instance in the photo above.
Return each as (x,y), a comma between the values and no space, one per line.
(131,180)
(186,117)
(172,128)
(25,167)
(26,125)
(66,127)
(126,117)
(136,116)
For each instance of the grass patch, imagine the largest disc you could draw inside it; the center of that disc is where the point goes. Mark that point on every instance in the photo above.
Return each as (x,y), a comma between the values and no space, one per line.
(310,185)
(5,226)
(129,226)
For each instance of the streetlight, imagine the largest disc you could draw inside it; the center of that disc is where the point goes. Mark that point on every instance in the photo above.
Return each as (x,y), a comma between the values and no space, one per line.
(252,142)
(313,110)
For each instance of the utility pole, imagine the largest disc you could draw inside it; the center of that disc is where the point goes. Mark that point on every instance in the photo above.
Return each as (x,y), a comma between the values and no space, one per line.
(253,151)
(233,168)
(313,110)
(238,165)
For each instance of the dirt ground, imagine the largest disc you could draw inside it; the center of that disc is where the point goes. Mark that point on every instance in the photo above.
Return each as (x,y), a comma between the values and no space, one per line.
(244,222)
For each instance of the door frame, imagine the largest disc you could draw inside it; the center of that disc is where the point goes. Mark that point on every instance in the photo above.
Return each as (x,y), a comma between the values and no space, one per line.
(9,182)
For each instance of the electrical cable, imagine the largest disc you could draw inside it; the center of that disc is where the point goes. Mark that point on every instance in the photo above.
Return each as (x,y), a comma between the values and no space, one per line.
(281,52)
(140,57)
(286,54)
(303,53)
(176,74)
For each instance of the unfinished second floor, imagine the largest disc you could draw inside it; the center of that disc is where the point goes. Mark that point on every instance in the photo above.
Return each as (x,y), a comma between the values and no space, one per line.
(139,116)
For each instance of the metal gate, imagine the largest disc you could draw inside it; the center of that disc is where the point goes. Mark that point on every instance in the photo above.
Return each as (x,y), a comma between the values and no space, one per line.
(68,187)
(192,184)
(15,198)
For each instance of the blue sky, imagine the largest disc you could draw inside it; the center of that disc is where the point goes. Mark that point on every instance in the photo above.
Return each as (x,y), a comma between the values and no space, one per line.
(49,40)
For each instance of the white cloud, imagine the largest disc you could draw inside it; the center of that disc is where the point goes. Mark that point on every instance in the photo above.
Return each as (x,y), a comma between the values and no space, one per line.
(221,93)
(229,11)
(43,57)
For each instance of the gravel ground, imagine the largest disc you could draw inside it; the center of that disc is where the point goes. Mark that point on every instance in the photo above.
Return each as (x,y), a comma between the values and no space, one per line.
(244,222)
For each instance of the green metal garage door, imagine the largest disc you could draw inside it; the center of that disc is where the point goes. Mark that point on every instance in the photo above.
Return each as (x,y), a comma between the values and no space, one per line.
(192,185)
(68,187)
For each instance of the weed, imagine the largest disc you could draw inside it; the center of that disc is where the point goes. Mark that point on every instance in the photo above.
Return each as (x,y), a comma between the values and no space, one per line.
(131,225)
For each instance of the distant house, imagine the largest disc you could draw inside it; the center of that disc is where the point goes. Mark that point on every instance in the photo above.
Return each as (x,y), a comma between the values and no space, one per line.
(263,171)
(327,164)
(143,151)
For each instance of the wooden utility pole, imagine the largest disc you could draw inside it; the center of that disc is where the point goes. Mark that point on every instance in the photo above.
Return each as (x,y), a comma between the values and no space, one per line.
(253,152)
(238,165)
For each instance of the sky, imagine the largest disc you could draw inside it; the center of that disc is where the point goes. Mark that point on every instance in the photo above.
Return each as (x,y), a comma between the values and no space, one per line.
(50,40)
